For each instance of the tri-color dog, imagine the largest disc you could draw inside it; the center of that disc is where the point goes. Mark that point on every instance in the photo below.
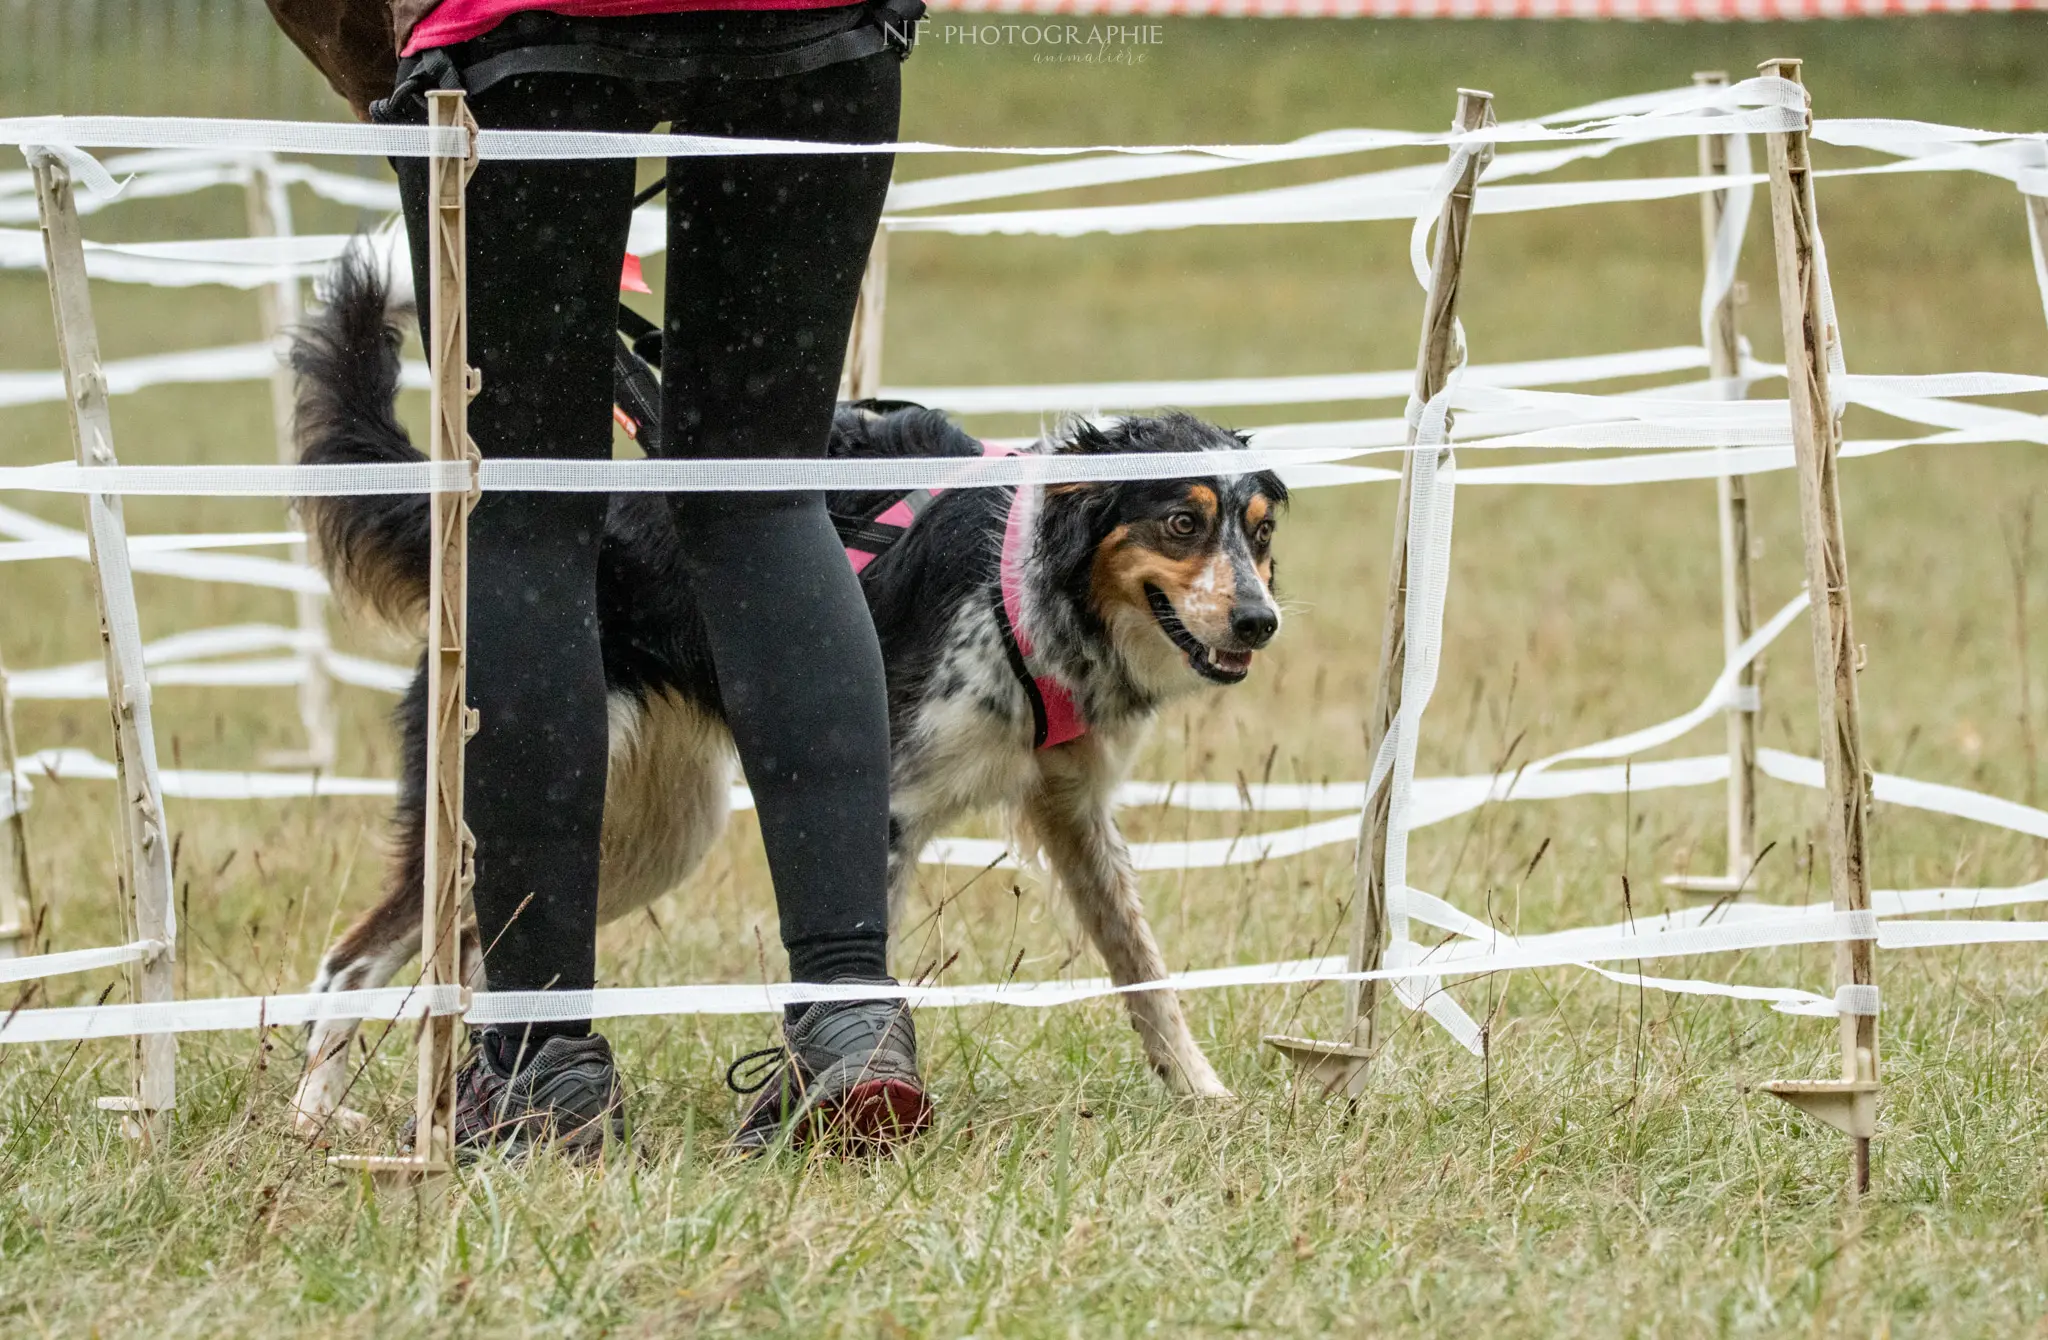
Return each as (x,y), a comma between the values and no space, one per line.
(1030,637)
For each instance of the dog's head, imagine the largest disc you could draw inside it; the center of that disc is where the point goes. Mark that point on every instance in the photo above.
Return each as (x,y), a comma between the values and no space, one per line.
(1177,573)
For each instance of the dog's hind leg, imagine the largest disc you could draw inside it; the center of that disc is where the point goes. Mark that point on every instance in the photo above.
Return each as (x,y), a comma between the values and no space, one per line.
(380,942)
(367,955)
(1070,811)
(909,832)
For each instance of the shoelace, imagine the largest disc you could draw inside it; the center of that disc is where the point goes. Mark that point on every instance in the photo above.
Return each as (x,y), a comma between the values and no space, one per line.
(778,1054)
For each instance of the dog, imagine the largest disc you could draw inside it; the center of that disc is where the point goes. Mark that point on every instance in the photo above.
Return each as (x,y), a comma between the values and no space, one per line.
(1030,635)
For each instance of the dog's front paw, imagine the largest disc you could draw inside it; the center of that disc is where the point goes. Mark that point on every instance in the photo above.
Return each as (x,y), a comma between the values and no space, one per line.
(350,1120)
(319,1130)
(312,1127)
(1194,1077)
(317,1110)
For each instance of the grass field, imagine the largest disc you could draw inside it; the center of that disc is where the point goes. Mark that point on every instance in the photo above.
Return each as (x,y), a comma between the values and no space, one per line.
(1603,1173)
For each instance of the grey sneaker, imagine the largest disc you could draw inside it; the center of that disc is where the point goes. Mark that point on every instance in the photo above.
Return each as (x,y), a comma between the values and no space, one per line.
(564,1092)
(845,1073)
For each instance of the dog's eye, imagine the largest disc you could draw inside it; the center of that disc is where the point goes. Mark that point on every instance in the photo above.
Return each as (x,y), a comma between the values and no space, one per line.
(1182,525)
(1263,535)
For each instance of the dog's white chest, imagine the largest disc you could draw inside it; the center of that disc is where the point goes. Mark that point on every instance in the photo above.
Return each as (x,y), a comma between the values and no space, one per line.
(963,756)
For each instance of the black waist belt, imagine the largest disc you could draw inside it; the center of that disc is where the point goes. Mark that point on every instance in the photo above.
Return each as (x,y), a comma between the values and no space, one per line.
(884,25)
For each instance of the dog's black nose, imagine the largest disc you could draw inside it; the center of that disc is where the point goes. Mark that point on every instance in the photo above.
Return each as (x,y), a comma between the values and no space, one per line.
(1254,625)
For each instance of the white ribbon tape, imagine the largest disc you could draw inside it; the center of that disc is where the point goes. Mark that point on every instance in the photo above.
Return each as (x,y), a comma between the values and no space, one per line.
(193,658)
(2036,244)
(65,1024)
(151,557)
(648,476)
(53,1025)
(85,170)
(1938,934)
(36,966)
(1301,467)
(82,1022)
(1857,1000)
(1211,392)
(22,551)
(173,172)
(1754,105)
(66,765)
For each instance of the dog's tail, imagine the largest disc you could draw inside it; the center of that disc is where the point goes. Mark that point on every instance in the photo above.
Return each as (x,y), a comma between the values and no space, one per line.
(374,547)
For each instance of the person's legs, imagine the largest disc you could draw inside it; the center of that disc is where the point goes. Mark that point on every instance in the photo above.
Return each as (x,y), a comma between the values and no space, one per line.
(546,240)
(765,262)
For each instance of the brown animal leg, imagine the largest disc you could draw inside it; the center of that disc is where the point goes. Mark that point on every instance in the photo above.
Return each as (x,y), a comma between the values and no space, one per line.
(1086,850)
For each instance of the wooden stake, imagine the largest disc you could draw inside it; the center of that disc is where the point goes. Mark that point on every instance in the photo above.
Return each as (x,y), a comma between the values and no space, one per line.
(145,851)
(17,891)
(1817,440)
(450,848)
(270,215)
(862,376)
(1341,1067)
(1738,606)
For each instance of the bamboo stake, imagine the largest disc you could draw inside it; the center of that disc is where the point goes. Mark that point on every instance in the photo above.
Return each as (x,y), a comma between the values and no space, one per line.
(270,215)
(450,862)
(17,892)
(1341,1067)
(862,376)
(1738,605)
(1817,439)
(145,851)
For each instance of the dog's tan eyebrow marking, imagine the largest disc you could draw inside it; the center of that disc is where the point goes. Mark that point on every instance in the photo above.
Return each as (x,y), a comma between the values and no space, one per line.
(1255,511)
(1204,497)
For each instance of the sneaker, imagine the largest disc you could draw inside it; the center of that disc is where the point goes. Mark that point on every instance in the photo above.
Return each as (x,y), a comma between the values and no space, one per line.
(563,1093)
(845,1072)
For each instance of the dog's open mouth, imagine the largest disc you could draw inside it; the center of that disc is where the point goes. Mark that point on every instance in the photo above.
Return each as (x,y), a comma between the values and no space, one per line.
(1211,663)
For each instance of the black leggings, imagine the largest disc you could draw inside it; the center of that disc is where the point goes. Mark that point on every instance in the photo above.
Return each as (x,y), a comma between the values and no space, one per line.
(764,265)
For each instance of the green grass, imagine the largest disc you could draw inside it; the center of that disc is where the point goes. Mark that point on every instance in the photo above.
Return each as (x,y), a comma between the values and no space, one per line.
(1605,1173)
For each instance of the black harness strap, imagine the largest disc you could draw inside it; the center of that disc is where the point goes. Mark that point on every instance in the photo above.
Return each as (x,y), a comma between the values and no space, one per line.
(853,44)
(871,534)
(1015,655)
(642,334)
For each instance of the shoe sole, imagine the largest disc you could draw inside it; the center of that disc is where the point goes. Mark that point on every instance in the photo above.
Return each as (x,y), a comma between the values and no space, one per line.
(874,1113)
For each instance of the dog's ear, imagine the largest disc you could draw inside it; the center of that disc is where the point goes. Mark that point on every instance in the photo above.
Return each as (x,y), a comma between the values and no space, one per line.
(1076,518)
(1265,481)
(1084,438)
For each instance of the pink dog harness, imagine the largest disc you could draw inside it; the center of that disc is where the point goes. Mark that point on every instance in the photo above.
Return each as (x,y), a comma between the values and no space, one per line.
(1055,717)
